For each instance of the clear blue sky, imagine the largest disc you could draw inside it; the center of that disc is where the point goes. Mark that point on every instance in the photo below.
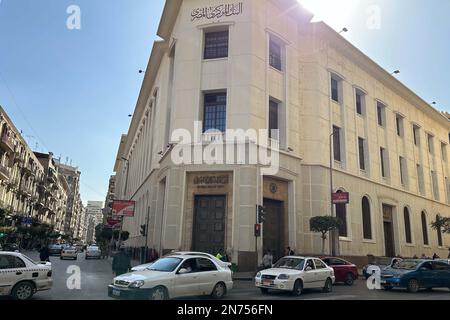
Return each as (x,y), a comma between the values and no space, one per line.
(77,87)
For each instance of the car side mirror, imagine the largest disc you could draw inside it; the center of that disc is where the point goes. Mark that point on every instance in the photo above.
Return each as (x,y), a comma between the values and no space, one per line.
(183,271)
(308,269)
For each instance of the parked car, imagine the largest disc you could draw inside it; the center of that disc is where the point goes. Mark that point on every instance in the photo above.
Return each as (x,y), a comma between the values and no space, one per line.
(69,253)
(294,274)
(414,275)
(93,252)
(21,277)
(172,277)
(381,262)
(55,249)
(11,247)
(344,271)
(447,261)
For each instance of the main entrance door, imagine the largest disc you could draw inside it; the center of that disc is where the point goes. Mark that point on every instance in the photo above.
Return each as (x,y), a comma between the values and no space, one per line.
(209,224)
(388,231)
(273,235)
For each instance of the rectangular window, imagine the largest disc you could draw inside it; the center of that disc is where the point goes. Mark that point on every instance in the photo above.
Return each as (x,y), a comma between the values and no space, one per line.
(336,83)
(447,189)
(434,180)
(444,151)
(420,179)
(416,135)
(337,143)
(216,45)
(275,55)
(360,97)
(362,153)
(381,114)
(215,112)
(384,163)
(430,143)
(399,123)
(403,171)
(273,119)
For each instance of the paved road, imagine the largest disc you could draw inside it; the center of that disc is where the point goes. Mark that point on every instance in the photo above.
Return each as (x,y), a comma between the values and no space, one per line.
(97,274)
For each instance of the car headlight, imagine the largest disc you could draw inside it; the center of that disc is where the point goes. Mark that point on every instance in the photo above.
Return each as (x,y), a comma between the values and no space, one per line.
(258,275)
(283,277)
(137,284)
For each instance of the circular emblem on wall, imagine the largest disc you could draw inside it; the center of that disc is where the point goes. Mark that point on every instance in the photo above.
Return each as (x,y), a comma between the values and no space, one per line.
(273,188)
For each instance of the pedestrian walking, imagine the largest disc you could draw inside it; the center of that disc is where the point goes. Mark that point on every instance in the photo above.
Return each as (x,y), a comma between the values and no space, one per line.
(268,260)
(435,256)
(121,263)
(44,253)
(290,252)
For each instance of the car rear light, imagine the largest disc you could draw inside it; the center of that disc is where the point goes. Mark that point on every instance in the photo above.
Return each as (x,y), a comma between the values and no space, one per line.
(49,274)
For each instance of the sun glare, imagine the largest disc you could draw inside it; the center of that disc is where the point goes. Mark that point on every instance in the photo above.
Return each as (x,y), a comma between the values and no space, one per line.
(334,12)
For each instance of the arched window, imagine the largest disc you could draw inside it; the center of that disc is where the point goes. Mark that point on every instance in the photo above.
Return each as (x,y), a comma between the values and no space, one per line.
(341,213)
(439,234)
(425,229)
(366,218)
(407,220)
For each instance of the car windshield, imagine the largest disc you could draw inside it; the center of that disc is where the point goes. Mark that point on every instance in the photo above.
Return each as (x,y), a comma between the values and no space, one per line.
(290,263)
(165,265)
(407,265)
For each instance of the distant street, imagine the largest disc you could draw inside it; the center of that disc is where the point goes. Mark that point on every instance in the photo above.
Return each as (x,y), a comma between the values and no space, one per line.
(96,275)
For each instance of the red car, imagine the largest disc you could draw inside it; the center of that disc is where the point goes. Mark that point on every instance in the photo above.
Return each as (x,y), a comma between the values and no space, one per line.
(344,271)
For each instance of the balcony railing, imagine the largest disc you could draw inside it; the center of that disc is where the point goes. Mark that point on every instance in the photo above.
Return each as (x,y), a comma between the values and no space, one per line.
(7,143)
(4,173)
(28,169)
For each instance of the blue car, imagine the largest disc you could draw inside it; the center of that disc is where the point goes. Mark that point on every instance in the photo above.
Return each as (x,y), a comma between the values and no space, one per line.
(414,275)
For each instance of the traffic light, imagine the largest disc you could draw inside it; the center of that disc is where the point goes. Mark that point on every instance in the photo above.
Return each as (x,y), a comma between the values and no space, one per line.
(261,214)
(257,230)
(143,230)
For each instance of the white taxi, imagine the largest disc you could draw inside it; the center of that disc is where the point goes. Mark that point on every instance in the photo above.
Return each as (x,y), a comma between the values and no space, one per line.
(21,277)
(295,274)
(172,277)
(69,253)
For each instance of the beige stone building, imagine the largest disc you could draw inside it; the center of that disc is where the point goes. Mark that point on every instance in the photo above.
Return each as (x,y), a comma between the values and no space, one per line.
(262,64)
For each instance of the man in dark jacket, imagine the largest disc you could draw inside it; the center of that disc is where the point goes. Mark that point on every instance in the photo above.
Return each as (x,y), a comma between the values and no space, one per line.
(44,253)
(121,263)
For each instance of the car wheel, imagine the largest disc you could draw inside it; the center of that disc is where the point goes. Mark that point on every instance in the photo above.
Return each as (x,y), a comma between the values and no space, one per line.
(23,291)
(413,286)
(328,286)
(298,288)
(219,291)
(264,291)
(349,279)
(159,293)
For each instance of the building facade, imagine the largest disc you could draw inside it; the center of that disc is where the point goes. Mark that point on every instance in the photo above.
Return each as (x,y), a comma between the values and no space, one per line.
(93,217)
(263,65)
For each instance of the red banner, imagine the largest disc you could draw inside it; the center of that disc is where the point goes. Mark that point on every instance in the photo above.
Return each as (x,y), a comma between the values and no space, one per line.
(123,208)
(112,222)
(341,198)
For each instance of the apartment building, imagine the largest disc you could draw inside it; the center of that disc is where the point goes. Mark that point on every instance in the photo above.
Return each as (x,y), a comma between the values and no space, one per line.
(94,217)
(264,65)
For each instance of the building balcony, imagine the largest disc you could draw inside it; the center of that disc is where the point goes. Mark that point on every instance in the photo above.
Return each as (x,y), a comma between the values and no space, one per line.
(28,169)
(4,173)
(7,143)
(25,191)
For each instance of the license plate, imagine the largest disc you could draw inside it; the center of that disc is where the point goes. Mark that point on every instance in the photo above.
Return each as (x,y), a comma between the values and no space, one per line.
(267,283)
(116,293)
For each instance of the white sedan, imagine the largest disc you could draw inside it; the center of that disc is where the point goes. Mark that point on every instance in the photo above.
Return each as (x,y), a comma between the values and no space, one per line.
(69,253)
(294,274)
(172,277)
(93,252)
(21,277)
(221,263)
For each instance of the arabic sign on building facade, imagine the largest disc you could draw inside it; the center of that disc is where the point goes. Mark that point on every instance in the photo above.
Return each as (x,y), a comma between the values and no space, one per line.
(217,12)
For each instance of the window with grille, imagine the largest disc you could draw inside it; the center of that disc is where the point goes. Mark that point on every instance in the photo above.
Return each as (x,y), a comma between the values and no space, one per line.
(362,153)
(215,112)
(273,119)
(337,143)
(216,45)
